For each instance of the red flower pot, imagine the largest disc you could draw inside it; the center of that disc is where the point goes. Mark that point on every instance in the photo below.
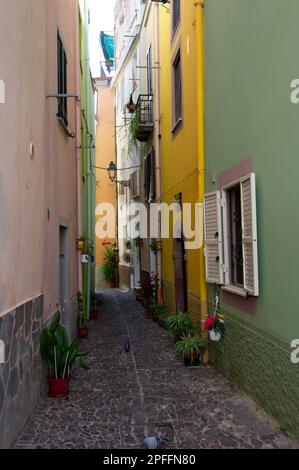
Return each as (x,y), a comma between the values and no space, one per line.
(94,314)
(83,332)
(59,388)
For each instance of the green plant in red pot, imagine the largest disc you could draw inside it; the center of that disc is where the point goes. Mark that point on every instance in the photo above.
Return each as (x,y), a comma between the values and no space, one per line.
(60,356)
(179,325)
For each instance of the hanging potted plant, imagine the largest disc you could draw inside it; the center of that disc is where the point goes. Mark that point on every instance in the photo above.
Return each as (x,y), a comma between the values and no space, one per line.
(214,324)
(60,356)
(131,106)
(190,347)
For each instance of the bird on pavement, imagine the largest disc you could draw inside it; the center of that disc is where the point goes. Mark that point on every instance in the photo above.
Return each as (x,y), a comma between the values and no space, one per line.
(127,345)
(154,442)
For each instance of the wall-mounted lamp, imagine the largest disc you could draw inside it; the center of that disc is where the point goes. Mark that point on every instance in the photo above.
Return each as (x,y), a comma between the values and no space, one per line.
(112,172)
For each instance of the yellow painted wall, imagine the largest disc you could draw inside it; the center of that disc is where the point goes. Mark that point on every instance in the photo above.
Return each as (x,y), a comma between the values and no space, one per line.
(105,152)
(181,151)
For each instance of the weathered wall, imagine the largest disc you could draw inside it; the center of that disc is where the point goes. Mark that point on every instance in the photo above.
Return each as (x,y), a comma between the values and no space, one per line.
(20,376)
(249,63)
(60,155)
(22,68)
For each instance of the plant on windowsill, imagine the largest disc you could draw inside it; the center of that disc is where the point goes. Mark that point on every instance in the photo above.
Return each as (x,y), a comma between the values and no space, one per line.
(190,347)
(60,356)
(179,325)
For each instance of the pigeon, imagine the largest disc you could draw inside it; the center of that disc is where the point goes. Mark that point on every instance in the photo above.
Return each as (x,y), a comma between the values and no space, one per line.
(127,345)
(154,442)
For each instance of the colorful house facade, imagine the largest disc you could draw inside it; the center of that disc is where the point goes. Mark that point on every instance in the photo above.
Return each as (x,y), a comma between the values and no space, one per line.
(182,150)
(251,137)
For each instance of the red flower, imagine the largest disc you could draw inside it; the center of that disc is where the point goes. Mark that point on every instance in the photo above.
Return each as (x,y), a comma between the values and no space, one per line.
(209,322)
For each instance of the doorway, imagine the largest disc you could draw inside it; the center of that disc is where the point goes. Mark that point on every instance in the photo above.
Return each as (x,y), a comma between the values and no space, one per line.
(180,266)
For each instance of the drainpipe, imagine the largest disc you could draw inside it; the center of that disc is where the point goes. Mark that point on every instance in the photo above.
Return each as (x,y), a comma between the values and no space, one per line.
(157,115)
(201,149)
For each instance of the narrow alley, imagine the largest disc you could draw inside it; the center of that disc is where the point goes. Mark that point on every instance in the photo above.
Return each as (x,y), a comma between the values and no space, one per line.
(125,397)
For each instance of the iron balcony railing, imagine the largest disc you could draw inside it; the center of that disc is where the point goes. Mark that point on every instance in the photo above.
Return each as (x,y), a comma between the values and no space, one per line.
(145,117)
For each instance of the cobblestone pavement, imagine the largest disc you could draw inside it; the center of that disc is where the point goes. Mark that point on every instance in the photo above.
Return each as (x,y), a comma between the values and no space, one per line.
(148,391)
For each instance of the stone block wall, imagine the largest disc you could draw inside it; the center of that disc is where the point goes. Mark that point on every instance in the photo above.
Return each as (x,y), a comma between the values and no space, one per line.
(20,375)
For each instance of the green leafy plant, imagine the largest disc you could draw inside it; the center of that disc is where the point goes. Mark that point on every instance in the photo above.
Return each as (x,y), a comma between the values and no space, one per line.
(138,242)
(133,131)
(180,325)
(82,316)
(110,266)
(189,344)
(128,244)
(58,352)
(160,311)
(126,257)
(153,246)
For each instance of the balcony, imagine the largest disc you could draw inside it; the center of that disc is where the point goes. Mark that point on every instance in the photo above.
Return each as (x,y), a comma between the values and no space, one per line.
(145,124)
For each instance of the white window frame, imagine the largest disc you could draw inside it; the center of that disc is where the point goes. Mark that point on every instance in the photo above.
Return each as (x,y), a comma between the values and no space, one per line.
(223,217)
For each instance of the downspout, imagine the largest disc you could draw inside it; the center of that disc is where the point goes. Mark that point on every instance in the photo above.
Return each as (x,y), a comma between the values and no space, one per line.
(158,142)
(201,149)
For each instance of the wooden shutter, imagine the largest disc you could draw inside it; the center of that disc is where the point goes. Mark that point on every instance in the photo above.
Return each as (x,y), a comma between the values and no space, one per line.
(213,238)
(134,184)
(249,233)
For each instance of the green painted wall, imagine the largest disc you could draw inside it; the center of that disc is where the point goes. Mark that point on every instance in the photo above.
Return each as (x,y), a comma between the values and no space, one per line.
(88,155)
(251,57)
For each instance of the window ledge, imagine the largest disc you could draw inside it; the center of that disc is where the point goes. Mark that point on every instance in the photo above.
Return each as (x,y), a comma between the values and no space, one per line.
(235,290)
(177,125)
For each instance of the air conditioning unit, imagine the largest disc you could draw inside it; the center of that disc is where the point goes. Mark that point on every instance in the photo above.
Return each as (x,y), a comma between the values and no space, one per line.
(134,185)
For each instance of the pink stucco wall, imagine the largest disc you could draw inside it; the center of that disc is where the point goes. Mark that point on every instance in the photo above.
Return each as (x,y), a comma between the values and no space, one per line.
(29,188)
(22,67)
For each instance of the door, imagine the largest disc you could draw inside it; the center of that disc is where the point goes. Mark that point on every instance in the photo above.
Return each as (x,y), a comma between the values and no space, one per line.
(63,275)
(180,275)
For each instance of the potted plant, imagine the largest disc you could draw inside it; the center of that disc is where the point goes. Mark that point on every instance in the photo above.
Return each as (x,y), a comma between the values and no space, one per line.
(160,314)
(110,266)
(131,106)
(179,325)
(214,324)
(128,244)
(190,348)
(60,355)
(138,242)
(127,257)
(82,317)
(94,310)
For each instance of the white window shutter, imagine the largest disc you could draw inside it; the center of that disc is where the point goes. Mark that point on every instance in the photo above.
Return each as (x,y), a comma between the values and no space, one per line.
(213,238)
(249,232)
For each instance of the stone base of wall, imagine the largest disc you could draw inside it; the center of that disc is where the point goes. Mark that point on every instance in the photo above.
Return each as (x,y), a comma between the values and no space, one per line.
(124,276)
(261,365)
(20,376)
(193,302)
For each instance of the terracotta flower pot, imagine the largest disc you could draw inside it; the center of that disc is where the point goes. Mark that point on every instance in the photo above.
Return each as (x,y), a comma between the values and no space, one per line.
(59,388)
(94,314)
(83,332)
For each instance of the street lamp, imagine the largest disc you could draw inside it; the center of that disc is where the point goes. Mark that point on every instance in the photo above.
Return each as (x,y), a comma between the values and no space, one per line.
(112,172)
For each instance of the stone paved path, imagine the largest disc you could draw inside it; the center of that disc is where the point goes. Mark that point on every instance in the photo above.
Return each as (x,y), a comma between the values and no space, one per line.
(125,397)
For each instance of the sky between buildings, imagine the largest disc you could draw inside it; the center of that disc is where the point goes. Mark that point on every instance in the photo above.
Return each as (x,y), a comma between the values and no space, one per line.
(101,19)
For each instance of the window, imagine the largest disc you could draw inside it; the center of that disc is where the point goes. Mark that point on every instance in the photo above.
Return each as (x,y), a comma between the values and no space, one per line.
(231,237)
(62,80)
(176,14)
(134,184)
(177,88)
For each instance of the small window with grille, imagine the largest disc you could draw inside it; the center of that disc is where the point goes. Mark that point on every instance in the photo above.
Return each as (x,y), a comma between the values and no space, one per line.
(62,80)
